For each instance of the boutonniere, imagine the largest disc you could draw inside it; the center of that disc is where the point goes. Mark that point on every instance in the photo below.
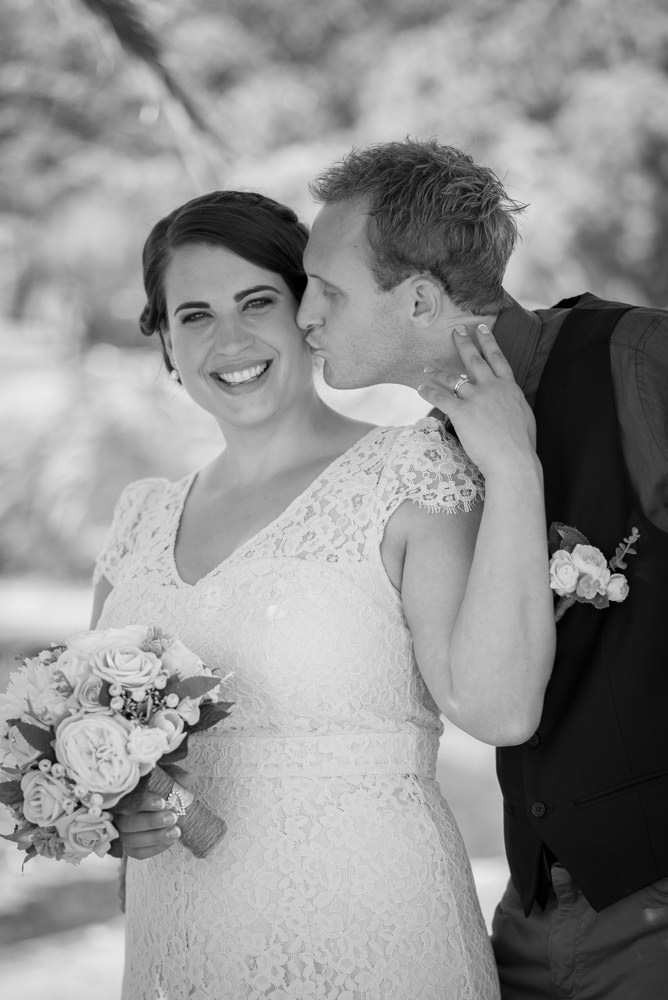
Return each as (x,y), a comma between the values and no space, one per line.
(579,572)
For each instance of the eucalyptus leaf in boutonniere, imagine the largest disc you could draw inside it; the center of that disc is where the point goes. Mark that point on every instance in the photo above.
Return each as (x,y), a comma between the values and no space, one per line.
(580,573)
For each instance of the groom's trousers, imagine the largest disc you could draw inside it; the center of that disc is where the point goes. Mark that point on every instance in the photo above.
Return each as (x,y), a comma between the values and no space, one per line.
(568,951)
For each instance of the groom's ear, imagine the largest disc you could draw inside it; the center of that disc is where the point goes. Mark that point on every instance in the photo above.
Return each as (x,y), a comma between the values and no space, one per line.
(425,299)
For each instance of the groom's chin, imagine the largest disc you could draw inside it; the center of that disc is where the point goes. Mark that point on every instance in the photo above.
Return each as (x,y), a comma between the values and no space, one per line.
(337,382)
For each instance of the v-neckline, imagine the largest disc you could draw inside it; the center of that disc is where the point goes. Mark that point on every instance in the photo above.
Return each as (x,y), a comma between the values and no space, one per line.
(188,484)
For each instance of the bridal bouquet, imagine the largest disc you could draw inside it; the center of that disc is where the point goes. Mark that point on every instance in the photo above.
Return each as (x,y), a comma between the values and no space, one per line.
(86,722)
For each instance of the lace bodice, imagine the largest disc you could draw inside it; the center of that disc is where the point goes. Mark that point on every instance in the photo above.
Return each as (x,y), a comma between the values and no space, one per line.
(327,759)
(314,581)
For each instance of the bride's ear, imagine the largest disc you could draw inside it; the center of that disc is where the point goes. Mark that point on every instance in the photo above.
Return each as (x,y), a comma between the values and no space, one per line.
(166,339)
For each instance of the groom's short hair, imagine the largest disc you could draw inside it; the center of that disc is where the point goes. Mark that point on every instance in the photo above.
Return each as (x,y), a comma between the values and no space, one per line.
(431,209)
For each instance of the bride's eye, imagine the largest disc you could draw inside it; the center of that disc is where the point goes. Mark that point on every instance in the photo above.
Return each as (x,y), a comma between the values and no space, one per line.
(193,317)
(258,303)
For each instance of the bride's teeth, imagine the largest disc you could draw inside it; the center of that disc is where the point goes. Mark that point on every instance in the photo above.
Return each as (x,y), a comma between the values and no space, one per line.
(235,378)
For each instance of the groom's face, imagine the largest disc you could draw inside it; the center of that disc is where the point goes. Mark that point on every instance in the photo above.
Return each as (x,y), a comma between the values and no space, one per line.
(353,326)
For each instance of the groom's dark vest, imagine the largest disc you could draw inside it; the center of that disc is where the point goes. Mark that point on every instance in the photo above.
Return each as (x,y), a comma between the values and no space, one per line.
(592,785)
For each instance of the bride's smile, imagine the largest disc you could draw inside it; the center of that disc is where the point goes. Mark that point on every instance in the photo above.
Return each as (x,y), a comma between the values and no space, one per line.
(232,336)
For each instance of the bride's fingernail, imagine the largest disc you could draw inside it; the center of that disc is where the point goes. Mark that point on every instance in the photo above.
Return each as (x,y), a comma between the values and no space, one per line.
(428,370)
(421,387)
(483,328)
(461,331)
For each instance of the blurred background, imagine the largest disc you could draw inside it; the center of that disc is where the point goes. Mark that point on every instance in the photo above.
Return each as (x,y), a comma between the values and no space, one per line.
(111,114)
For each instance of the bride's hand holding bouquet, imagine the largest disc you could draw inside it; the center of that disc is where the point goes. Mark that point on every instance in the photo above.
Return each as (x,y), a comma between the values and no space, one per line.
(96,722)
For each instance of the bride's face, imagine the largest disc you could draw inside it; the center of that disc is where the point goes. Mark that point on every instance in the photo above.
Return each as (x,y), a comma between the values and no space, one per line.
(232,336)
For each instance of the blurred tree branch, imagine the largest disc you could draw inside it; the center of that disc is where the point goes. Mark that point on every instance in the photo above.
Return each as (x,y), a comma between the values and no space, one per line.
(202,159)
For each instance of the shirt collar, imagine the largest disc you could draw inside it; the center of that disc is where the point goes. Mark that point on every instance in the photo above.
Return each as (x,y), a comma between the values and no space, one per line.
(517,332)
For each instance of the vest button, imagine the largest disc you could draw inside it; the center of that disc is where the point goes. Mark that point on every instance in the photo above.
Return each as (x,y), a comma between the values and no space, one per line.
(538,809)
(534,740)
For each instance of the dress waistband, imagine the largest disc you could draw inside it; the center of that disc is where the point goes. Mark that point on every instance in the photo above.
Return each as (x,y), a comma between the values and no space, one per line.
(333,755)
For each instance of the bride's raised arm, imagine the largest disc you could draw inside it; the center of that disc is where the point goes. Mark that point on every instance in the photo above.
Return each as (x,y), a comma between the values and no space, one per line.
(480,608)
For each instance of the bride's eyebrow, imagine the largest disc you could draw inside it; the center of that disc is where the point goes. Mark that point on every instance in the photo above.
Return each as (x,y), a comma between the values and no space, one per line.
(256,288)
(192,305)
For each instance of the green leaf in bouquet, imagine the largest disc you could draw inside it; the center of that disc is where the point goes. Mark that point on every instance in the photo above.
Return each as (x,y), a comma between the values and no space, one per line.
(15,837)
(191,687)
(36,736)
(115,848)
(210,713)
(563,536)
(11,793)
(180,753)
(104,697)
(28,856)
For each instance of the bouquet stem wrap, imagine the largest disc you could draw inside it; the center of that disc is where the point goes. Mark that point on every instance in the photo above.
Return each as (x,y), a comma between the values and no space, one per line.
(201,829)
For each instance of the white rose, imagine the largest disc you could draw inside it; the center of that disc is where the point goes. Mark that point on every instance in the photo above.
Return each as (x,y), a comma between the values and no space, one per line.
(51,706)
(87,693)
(99,640)
(146,746)
(93,749)
(178,659)
(188,709)
(589,586)
(127,665)
(83,834)
(618,587)
(43,798)
(171,724)
(589,561)
(73,665)
(563,574)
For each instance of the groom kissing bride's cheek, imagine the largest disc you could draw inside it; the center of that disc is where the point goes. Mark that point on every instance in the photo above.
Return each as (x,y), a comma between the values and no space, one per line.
(402,253)
(356,583)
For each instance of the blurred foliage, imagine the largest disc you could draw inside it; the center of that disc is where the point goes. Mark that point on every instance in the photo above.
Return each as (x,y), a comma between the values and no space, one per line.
(113,111)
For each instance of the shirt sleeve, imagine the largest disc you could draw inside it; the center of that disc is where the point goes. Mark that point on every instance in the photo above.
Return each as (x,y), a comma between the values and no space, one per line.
(639,358)
(121,536)
(429,467)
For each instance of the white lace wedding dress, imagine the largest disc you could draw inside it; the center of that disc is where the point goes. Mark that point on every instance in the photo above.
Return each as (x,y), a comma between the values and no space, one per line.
(342,875)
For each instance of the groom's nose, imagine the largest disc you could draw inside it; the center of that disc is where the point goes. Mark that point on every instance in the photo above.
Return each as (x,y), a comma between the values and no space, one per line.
(307,314)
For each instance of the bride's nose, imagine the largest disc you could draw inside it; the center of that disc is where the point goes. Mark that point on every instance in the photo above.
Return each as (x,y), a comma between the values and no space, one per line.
(231,336)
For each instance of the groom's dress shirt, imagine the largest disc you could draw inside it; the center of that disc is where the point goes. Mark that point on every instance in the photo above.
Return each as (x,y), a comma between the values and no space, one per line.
(639,364)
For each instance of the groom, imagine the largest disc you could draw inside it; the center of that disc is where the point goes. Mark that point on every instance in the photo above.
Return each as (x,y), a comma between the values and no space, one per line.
(585,914)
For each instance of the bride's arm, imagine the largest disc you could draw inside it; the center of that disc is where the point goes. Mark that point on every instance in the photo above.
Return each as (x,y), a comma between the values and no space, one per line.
(100,593)
(482,615)
(481,611)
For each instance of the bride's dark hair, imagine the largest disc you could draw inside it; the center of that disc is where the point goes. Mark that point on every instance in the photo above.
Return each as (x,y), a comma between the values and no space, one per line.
(254,227)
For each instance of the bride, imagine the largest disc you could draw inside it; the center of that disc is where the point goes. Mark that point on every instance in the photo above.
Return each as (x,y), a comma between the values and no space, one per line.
(325,562)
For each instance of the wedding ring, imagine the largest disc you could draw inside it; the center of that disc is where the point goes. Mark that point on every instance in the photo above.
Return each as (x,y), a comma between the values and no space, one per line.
(460,382)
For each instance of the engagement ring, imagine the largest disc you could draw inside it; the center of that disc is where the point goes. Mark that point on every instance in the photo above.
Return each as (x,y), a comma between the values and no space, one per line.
(460,382)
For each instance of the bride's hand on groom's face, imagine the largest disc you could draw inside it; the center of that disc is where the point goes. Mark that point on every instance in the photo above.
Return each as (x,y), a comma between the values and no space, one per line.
(487,408)
(146,827)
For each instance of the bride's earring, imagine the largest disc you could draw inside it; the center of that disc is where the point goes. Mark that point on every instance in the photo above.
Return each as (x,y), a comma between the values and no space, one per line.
(174,375)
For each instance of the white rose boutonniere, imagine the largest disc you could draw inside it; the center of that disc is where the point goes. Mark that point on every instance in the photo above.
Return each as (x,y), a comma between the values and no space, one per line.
(580,573)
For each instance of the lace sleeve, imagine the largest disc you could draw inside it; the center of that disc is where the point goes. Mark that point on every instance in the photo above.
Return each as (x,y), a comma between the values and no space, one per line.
(121,535)
(429,467)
